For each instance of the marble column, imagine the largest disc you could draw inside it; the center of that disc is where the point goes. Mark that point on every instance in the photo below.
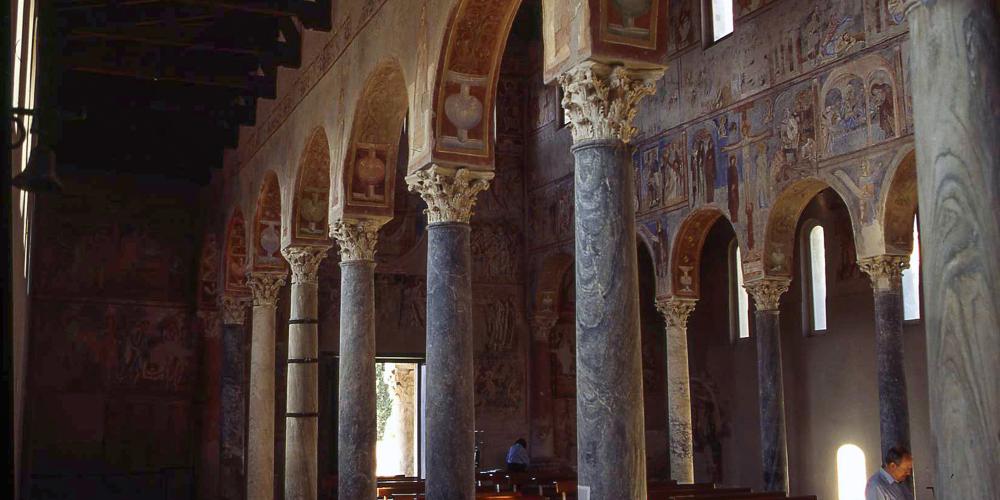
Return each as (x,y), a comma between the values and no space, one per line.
(356,429)
(955,80)
(233,399)
(260,447)
(886,273)
(450,195)
(542,444)
(766,293)
(675,311)
(302,400)
(600,102)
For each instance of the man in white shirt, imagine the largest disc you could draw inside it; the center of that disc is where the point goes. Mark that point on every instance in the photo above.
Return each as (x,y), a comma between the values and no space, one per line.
(517,456)
(890,482)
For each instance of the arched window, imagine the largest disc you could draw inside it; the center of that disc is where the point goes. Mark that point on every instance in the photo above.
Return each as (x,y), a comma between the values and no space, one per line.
(850,473)
(721,19)
(911,280)
(739,302)
(815,285)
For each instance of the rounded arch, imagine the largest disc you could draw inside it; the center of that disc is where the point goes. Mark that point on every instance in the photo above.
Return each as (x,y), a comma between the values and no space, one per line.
(310,205)
(267,226)
(371,156)
(783,219)
(550,280)
(465,85)
(899,206)
(685,257)
(236,255)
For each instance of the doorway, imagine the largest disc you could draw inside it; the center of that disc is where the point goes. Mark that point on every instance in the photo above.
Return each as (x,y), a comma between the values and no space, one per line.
(399,409)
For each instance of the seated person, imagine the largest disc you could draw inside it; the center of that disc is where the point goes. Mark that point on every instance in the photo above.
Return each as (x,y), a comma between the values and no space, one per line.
(517,456)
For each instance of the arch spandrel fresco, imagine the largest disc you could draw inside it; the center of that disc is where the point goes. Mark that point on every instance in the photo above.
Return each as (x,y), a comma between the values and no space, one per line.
(312,190)
(236,257)
(267,229)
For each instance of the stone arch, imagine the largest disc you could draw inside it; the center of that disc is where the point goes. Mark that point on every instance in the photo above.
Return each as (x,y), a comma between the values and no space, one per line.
(466,80)
(899,206)
(370,164)
(310,205)
(266,246)
(236,256)
(550,279)
(685,257)
(783,219)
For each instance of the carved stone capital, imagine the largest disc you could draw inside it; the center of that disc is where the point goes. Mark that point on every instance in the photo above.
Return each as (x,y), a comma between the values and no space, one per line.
(675,310)
(304,261)
(600,101)
(356,238)
(265,287)
(449,193)
(542,325)
(767,292)
(885,271)
(234,309)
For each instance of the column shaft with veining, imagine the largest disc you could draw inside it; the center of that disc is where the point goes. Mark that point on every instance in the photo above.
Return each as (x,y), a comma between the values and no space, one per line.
(302,395)
(260,438)
(675,311)
(600,102)
(450,414)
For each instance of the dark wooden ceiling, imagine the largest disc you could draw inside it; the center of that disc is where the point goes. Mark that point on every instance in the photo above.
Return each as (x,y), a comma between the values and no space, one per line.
(157,86)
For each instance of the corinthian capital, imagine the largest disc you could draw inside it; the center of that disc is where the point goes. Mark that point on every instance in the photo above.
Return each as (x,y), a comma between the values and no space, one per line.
(304,261)
(265,287)
(767,292)
(676,310)
(449,193)
(885,271)
(356,238)
(600,101)
(234,309)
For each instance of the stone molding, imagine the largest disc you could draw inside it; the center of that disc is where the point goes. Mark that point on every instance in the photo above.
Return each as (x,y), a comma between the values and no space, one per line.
(304,261)
(676,310)
(234,309)
(265,287)
(767,292)
(450,193)
(601,101)
(356,239)
(885,271)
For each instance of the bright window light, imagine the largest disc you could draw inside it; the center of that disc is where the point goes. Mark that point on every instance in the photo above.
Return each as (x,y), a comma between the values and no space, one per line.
(817,275)
(911,280)
(722,18)
(742,301)
(850,473)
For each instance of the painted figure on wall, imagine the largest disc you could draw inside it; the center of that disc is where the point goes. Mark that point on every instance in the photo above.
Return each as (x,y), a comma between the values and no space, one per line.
(681,25)
(674,179)
(844,117)
(733,181)
(703,167)
(881,109)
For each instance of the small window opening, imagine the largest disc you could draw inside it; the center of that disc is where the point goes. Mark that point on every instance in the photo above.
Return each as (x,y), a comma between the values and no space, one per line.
(850,473)
(741,316)
(911,280)
(817,277)
(722,19)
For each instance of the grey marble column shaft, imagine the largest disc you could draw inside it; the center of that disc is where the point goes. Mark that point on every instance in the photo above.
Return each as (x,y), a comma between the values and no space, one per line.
(600,102)
(611,452)
(954,68)
(886,273)
(450,414)
(767,329)
(260,445)
(450,380)
(676,311)
(356,423)
(233,399)
(302,395)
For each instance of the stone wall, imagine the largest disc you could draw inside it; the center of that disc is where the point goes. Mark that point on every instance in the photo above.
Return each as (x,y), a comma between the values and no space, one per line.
(116,349)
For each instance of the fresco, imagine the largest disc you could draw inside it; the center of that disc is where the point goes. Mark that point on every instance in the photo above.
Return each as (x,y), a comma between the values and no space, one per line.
(685,19)
(313,189)
(267,226)
(662,172)
(208,273)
